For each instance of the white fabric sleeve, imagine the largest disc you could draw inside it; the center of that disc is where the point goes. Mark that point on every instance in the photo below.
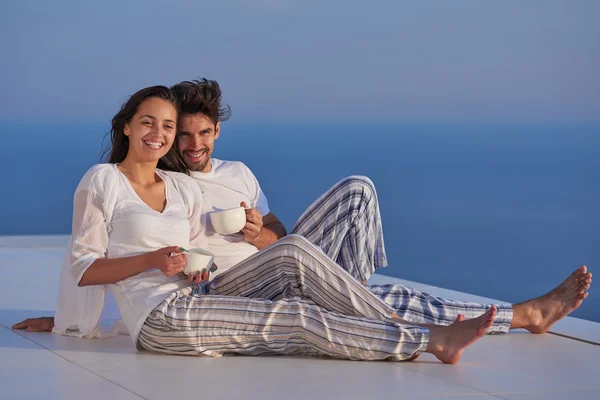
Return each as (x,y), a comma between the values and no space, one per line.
(89,233)
(259,200)
(78,309)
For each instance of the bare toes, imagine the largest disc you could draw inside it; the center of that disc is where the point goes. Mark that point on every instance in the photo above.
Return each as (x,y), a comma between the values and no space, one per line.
(579,271)
(584,277)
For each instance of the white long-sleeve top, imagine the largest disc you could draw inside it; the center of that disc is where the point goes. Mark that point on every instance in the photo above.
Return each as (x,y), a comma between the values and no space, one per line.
(110,221)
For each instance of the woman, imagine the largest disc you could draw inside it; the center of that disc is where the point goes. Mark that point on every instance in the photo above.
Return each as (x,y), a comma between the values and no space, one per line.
(130,217)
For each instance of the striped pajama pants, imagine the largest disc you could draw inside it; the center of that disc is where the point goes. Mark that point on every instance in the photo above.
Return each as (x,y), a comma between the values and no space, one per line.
(292,298)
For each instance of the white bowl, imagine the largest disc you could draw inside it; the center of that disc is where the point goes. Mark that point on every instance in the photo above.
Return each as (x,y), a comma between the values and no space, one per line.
(198,260)
(228,221)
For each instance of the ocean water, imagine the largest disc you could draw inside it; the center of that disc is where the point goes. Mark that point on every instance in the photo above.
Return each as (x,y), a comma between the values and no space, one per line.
(495,210)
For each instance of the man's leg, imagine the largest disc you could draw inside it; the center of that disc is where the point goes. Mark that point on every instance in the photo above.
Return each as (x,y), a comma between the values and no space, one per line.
(345,223)
(346,220)
(536,315)
(421,308)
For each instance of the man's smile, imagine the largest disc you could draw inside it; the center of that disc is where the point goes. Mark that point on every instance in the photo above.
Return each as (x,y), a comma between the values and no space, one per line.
(195,155)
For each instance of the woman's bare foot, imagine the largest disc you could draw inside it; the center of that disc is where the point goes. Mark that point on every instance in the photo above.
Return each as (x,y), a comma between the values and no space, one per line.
(42,324)
(538,315)
(447,343)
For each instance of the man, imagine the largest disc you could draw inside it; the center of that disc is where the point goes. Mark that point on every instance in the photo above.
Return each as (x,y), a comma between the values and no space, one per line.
(344,223)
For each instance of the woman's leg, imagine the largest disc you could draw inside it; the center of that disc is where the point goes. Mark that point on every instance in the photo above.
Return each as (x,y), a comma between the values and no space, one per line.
(195,324)
(290,298)
(294,267)
(345,223)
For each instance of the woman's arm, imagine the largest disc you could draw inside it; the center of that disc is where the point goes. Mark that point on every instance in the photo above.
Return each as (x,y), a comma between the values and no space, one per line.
(89,265)
(111,270)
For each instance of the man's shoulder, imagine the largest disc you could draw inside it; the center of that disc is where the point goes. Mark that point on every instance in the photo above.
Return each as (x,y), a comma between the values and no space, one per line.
(179,178)
(228,165)
(187,186)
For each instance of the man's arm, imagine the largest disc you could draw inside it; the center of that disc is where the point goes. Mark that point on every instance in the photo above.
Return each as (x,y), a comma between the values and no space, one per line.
(272,230)
(262,231)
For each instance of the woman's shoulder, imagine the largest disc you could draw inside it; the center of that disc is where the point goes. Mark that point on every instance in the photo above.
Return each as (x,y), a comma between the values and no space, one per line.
(97,176)
(101,168)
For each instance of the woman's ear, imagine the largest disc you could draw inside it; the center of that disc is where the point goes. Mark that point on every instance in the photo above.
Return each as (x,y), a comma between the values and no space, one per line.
(126,129)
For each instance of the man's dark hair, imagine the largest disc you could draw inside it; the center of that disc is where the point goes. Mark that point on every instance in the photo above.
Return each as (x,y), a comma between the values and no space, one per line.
(201,96)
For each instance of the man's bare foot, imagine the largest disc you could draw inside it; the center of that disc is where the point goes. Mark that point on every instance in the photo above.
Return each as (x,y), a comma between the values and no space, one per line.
(538,315)
(447,343)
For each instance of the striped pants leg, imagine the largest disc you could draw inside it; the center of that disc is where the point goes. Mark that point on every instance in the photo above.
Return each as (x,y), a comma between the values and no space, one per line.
(289,298)
(346,223)
(421,308)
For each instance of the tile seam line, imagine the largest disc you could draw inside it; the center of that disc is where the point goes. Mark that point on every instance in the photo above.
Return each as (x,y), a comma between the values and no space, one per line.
(463,395)
(478,391)
(575,338)
(569,391)
(74,363)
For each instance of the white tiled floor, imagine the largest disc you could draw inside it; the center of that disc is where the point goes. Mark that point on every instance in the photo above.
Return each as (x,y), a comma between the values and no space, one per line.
(518,366)
(30,371)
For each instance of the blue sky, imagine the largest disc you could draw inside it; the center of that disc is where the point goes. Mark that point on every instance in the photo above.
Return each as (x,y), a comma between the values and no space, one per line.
(315,61)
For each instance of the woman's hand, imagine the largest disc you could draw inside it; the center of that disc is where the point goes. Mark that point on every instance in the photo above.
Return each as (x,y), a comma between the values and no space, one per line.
(201,276)
(161,259)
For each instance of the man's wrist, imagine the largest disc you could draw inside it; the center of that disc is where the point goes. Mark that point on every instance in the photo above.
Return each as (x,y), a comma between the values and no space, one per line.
(264,238)
(257,237)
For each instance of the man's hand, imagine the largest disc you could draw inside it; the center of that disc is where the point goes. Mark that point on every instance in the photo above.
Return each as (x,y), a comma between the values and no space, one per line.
(254,223)
(162,260)
(42,324)
(261,231)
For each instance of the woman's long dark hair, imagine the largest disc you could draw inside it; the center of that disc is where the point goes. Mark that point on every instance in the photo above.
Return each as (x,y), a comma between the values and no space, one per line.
(118,146)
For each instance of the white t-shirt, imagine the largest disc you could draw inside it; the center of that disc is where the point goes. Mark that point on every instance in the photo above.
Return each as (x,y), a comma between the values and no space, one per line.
(110,221)
(224,187)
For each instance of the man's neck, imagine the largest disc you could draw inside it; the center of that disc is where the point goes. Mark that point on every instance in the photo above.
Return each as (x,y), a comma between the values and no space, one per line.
(207,168)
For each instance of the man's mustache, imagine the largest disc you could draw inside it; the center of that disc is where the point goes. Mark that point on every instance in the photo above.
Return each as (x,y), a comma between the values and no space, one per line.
(203,150)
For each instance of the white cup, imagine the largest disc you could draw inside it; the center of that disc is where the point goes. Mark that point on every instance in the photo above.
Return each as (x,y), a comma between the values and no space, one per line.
(197,260)
(228,221)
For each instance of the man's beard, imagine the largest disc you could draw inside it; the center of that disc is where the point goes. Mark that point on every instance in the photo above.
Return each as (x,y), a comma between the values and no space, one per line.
(199,165)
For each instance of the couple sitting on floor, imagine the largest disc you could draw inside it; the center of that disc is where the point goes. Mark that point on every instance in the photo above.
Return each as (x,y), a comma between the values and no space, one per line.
(273,293)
